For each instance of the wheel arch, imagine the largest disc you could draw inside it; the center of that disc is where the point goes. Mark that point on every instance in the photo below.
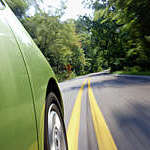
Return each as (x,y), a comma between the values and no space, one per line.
(53,87)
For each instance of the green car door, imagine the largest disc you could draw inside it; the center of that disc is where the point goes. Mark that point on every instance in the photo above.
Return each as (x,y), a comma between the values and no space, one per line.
(38,70)
(17,120)
(31,107)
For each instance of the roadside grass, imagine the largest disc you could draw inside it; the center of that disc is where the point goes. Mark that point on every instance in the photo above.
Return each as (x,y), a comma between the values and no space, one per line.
(146,73)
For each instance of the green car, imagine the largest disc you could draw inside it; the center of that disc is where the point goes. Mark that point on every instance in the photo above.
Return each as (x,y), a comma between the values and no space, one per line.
(31,107)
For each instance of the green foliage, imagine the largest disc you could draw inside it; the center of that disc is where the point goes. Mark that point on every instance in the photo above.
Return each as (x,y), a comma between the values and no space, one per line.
(145,73)
(135,17)
(119,34)
(116,37)
(19,7)
(58,42)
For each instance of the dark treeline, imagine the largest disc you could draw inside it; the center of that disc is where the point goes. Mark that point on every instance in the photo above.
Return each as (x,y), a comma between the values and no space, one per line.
(118,34)
(116,37)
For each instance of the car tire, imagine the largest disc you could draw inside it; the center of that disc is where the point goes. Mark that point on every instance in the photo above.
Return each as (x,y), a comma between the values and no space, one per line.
(54,134)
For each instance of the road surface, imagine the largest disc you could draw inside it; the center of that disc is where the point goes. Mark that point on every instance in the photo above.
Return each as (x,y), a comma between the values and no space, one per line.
(107,112)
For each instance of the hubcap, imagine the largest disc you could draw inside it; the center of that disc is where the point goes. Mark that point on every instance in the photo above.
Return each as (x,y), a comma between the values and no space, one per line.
(56,135)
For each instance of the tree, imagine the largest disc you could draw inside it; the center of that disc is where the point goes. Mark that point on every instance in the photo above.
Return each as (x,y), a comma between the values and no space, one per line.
(19,7)
(119,33)
(57,41)
(134,15)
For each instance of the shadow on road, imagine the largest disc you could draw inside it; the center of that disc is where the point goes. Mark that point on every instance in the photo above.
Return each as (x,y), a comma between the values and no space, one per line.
(135,126)
(112,81)
(74,88)
(121,82)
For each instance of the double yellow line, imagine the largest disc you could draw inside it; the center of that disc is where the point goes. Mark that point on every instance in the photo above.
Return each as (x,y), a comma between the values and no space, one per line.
(103,135)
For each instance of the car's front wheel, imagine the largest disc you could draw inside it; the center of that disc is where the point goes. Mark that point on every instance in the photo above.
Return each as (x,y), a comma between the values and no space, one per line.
(55,134)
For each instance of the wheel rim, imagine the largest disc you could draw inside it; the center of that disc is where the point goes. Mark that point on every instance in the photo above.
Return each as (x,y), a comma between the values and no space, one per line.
(56,136)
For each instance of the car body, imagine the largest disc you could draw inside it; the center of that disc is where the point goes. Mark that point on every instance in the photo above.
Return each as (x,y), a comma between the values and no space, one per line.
(26,78)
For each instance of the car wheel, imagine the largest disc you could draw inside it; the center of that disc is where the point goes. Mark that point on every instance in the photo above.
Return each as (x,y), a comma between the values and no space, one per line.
(55,133)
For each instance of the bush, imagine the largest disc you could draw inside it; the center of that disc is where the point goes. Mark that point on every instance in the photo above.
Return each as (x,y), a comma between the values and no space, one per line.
(65,76)
(133,69)
(71,75)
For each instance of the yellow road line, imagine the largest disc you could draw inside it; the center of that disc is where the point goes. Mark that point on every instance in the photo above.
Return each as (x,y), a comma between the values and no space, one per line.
(104,138)
(74,123)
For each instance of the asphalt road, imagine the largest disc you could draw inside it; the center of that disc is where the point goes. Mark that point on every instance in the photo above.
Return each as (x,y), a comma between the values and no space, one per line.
(124,102)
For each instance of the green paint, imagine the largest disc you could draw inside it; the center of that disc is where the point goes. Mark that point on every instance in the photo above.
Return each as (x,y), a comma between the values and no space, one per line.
(23,81)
